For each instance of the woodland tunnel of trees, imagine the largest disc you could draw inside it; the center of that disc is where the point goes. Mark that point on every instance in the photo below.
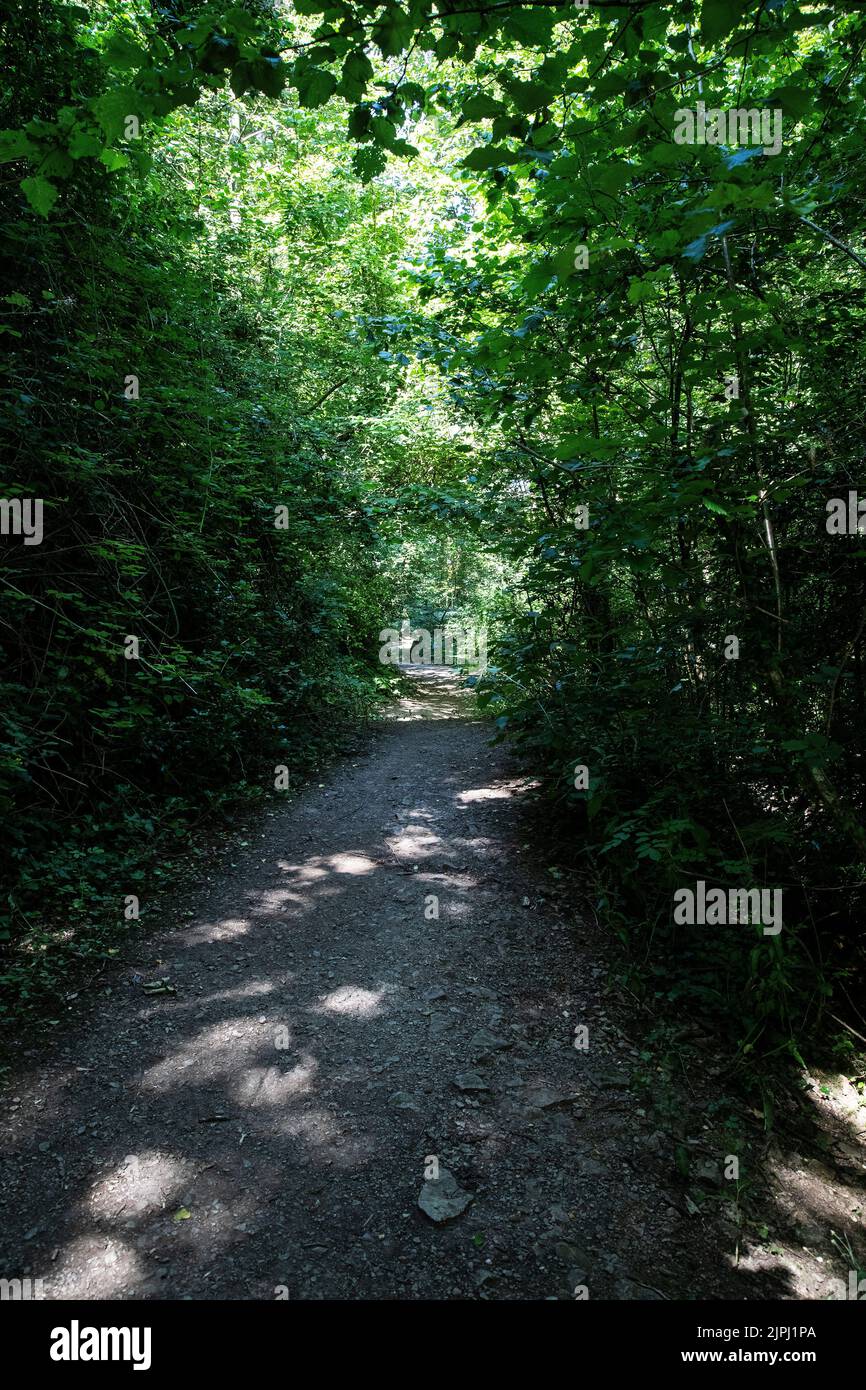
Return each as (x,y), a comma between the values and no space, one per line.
(542,319)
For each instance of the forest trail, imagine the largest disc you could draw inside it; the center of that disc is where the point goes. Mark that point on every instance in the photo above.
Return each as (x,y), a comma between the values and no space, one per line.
(267,1127)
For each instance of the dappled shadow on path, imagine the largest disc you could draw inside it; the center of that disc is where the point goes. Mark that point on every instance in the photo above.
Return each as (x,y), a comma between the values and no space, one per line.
(385,978)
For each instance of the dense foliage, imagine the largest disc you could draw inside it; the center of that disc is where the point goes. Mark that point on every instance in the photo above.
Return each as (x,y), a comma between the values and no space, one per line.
(171,384)
(443,280)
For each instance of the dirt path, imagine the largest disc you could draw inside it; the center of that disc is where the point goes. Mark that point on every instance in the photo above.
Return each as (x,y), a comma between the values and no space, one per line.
(267,1128)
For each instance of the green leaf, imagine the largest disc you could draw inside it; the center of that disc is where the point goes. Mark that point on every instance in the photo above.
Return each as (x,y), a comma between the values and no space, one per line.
(112,109)
(113,159)
(83,144)
(544,136)
(478,107)
(315,87)
(530,26)
(123,52)
(242,79)
(14,144)
(369,162)
(563,262)
(357,71)
(40,194)
(530,96)
(359,123)
(56,165)
(393,32)
(269,76)
(487,157)
(793,101)
(720,17)
(383,131)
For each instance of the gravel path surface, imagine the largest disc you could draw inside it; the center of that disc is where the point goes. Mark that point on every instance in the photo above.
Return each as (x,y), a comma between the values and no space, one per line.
(386,985)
